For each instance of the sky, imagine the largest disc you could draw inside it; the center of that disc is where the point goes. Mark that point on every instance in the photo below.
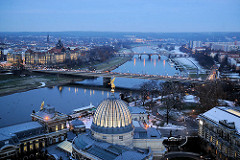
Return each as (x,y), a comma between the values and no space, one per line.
(120,15)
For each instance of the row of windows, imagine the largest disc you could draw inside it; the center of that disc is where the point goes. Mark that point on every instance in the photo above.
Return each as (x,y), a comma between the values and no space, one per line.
(120,137)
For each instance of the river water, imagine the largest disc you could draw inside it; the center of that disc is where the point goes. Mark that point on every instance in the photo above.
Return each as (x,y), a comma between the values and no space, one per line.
(16,108)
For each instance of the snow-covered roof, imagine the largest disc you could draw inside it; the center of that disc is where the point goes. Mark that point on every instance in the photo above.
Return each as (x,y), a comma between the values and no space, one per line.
(136,110)
(231,114)
(190,99)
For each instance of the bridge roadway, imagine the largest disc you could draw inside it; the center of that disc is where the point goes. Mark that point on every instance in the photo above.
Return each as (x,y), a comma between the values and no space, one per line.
(116,74)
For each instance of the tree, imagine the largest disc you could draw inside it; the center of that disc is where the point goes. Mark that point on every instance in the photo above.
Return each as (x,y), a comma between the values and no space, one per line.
(209,94)
(171,93)
(149,89)
(144,88)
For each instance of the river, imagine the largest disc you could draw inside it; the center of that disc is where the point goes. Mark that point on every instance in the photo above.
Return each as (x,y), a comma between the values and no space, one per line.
(16,108)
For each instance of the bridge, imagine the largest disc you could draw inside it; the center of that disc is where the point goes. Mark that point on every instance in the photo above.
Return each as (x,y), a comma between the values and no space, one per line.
(107,75)
(149,54)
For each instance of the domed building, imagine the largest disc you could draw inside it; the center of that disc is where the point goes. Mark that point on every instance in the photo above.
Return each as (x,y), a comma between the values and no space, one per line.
(114,135)
(112,122)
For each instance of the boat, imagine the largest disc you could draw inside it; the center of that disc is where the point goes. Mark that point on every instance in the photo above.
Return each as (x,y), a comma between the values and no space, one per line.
(90,108)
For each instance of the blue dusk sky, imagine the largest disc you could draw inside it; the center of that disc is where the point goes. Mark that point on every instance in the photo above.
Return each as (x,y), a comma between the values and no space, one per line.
(120,15)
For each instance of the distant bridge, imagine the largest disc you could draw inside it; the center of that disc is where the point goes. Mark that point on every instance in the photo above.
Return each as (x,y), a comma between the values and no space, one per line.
(107,75)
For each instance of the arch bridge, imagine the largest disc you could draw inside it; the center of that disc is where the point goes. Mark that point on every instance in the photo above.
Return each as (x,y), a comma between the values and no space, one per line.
(107,75)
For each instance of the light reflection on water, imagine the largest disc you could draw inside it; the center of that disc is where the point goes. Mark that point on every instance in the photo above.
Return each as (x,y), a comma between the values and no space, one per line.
(16,108)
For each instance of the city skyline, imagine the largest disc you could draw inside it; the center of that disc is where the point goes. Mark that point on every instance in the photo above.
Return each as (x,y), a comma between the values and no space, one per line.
(120,16)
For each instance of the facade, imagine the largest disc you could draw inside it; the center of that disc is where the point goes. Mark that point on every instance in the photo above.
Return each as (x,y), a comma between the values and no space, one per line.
(145,137)
(57,55)
(113,135)
(22,139)
(14,58)
(138,114)
(54,123)
(220,128)
(77,126)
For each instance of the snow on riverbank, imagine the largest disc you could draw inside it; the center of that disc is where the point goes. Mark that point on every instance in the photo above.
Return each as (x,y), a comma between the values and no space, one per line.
(43,84)
(189,63)
(177,51)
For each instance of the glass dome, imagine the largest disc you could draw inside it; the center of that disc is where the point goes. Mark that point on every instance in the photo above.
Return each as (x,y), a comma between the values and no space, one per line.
(112,116)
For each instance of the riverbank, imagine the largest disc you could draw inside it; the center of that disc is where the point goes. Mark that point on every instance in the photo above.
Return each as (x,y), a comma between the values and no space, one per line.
(112,63)
(10,84)
(15,84)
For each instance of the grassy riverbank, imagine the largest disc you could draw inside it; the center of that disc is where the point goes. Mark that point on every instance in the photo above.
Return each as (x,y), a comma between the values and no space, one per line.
(112,64)
(10,84)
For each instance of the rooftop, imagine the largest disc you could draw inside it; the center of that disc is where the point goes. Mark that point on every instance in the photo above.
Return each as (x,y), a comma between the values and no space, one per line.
(8,132)
(107,151)
(20,127)
(48,113)
(230,114)
(136,110)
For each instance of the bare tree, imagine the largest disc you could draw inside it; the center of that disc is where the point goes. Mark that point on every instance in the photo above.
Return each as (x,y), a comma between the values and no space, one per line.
(149,89)
(144,92)
(209,94)
(171,93)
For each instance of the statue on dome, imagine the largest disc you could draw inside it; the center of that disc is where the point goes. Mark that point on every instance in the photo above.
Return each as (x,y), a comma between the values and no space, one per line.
(41,108)
(112,85)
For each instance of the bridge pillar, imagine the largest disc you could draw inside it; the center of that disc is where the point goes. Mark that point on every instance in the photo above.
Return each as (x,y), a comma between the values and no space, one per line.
(106,82)
(149,56)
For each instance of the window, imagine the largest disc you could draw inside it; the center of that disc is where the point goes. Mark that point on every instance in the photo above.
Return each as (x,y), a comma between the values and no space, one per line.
(56,127)
(31,147)
(37,145)
(121,138)
(25,148)
(62,126)
(43,144)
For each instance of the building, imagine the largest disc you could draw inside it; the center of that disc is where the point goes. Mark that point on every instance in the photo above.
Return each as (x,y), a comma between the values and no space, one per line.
(25,140)
(22,139)
(220,128)
(138,114)
(114,135)
(77,126)
(195,44)
(54,123)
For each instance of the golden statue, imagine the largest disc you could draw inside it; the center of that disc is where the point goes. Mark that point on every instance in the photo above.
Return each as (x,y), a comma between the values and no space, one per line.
(112,85)
(41,108)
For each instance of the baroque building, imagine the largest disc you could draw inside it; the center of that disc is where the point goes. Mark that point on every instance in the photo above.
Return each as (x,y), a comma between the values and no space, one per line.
(54,123)
(57,55)
(220,128)
(25,140)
